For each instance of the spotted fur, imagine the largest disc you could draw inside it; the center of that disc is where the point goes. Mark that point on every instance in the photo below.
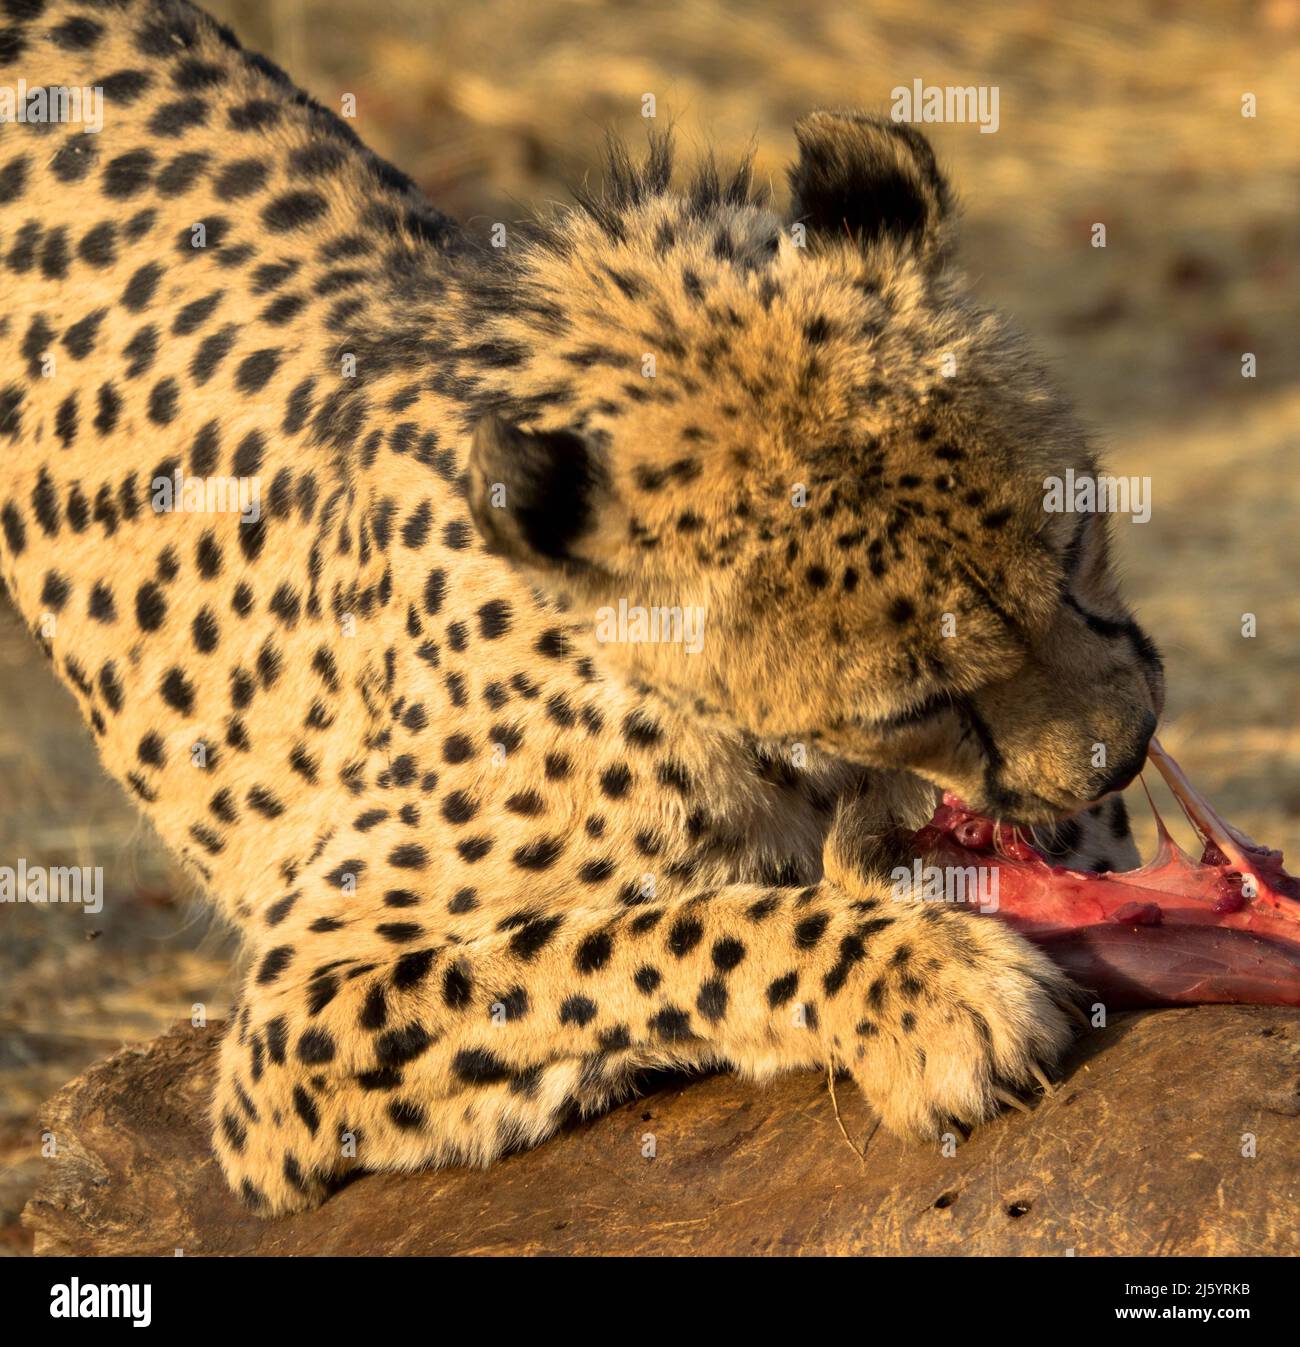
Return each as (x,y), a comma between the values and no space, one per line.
(485,866)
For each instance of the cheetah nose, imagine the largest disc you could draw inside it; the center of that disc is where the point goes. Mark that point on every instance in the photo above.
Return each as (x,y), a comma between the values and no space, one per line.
(1131,764)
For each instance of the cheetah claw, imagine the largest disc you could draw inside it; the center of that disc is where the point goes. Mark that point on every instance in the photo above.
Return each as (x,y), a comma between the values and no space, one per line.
(1040,1076)
(1009,1100)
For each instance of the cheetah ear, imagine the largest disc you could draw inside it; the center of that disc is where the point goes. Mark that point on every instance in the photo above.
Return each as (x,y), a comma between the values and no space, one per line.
(870,179)
(537,496)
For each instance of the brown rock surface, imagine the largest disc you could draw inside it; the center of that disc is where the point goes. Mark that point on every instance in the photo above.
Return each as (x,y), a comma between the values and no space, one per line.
(1138,1152)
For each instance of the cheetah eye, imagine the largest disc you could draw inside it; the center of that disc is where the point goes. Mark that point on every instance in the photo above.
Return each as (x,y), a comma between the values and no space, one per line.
(933,707)
(1079,548)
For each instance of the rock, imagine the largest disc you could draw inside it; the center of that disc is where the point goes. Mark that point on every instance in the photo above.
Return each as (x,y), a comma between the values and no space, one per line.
(1140,1151)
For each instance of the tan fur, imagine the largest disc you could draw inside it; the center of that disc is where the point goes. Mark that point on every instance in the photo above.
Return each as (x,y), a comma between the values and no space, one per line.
(486,867)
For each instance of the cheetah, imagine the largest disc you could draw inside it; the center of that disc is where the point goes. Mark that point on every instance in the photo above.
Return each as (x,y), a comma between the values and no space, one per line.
(614,605)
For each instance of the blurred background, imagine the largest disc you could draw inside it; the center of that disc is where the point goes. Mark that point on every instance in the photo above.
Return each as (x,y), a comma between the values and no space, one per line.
(1126,114)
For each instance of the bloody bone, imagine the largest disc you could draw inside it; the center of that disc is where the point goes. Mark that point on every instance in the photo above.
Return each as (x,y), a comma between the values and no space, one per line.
(1173,932)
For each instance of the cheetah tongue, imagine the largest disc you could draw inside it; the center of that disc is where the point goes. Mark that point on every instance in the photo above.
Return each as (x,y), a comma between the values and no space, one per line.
(1176,931)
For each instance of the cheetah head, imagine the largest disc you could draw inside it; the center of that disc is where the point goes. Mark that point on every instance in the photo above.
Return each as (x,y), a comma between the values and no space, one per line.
(805,434)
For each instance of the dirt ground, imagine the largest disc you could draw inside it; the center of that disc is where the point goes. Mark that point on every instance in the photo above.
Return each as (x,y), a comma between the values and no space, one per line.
(1125,114)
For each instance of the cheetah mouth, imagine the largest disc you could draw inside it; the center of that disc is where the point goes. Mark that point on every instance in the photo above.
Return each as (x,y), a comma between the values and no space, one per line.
(1175,931)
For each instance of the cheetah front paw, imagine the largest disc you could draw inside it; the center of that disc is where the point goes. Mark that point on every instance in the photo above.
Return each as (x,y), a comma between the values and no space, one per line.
(964,1016)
